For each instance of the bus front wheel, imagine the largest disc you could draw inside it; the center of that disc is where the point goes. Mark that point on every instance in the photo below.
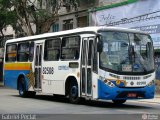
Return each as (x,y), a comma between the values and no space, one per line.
(119,101)
(73,94)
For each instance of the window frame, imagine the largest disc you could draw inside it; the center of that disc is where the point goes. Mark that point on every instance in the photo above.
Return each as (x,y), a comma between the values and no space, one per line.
(6,54)
(75,47)
(23,52)
(56,48)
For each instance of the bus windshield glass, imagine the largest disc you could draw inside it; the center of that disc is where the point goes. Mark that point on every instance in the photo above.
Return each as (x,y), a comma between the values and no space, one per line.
(126,52)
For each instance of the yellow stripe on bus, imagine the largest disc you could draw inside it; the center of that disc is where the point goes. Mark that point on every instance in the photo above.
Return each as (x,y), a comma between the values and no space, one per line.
(17,66)
(11,54)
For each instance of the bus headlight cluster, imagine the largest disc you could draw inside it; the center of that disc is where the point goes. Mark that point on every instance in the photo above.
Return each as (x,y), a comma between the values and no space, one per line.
(151,83)
(109,83)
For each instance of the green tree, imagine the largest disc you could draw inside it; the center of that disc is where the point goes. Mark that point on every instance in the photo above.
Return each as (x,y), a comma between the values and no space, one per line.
(41,13)
(7,17)
(23,14)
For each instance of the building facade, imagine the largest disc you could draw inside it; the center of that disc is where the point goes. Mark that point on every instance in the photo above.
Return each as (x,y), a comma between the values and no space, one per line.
(70,18)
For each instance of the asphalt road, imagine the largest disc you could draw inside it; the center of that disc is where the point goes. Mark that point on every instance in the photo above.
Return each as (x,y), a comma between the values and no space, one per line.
(11,103)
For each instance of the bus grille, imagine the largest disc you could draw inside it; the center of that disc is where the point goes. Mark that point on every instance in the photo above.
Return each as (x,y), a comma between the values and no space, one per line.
(131,78)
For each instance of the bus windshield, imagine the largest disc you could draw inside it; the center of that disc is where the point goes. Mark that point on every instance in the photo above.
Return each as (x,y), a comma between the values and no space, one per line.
(126,52)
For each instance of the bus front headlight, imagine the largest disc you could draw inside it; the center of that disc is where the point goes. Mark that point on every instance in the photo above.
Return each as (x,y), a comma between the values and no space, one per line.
(106,81)
(109,83)
(151,83)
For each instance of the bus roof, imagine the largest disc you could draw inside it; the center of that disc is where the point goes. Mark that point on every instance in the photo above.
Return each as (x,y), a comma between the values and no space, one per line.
(93,29)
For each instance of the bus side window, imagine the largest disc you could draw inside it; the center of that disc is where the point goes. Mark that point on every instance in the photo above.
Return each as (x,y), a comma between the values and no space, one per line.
(11,53)
(23,52)
(52,49)
(70,48)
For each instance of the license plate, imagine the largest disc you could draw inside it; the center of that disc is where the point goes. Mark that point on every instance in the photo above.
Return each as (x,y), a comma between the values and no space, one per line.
(132,95)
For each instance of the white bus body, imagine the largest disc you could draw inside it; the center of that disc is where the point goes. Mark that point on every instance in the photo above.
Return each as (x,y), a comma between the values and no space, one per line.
(71,63)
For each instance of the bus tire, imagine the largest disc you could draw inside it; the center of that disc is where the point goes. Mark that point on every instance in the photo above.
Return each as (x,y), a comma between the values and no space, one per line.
(73,94)
(22,87)
(119,101)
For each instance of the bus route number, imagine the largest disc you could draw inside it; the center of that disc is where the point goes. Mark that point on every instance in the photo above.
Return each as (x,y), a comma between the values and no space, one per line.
(48,70)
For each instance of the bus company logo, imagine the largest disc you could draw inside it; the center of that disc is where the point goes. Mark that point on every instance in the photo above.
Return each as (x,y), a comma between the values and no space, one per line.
(132,83)
(63,67)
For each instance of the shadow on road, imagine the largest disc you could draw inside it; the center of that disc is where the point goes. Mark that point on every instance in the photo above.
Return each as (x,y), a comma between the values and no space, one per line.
(107,104)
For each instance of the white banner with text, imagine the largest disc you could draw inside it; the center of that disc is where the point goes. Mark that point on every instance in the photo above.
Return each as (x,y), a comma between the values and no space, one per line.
(142,15)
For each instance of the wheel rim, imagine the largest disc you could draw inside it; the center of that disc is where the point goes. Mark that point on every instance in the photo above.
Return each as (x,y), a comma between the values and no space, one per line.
(74,91)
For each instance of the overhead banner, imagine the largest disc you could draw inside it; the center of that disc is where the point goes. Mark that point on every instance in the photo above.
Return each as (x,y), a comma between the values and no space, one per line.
(142,15)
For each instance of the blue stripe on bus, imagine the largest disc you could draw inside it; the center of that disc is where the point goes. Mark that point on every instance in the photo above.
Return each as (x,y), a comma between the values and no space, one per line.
(11,77)
(110,93)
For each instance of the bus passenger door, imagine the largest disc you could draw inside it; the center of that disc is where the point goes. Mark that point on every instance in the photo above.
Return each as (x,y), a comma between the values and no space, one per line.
(38,63)
(86,74)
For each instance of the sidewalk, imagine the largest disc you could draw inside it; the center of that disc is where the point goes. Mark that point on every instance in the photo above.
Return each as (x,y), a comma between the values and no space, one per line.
(156,99)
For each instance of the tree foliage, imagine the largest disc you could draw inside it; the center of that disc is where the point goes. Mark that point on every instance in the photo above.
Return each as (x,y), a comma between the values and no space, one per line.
(23,14)
(7,17)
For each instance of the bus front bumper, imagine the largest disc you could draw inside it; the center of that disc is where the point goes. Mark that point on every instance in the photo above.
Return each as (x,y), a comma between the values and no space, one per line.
(115,93)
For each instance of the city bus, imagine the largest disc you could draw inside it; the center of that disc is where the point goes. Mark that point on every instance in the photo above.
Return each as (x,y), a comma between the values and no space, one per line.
(92,63)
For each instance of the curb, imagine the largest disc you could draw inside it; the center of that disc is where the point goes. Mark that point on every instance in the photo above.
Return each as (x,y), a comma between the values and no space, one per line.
(149,101)
(155,100)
